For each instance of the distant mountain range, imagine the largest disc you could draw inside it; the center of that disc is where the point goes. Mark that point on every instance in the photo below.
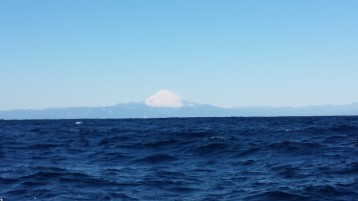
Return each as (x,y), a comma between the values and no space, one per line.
(167,104)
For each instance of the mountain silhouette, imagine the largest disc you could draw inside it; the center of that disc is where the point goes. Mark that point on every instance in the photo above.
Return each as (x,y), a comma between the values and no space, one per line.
(165,104)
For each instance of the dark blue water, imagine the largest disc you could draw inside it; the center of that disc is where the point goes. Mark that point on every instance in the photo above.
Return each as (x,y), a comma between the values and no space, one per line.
(301,158)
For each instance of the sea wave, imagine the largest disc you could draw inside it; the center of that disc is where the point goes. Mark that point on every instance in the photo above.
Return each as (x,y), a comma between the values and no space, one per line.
(286,158)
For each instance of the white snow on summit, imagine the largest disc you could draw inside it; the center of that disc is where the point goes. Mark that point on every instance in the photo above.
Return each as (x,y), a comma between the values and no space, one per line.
(164,98)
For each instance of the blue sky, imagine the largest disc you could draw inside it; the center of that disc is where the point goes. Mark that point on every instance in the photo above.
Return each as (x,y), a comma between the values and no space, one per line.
(225,53)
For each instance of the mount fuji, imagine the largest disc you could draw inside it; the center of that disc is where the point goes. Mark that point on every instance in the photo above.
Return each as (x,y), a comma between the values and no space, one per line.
(165,103)
(164,98)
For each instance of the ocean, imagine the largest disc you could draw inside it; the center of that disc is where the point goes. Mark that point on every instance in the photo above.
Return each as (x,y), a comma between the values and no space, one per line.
(254,159)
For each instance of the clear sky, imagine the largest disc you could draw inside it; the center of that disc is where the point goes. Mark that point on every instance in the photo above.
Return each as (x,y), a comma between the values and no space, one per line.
(224,52)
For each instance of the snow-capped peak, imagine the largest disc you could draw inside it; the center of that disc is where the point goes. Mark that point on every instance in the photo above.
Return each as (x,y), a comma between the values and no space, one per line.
(164,98)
